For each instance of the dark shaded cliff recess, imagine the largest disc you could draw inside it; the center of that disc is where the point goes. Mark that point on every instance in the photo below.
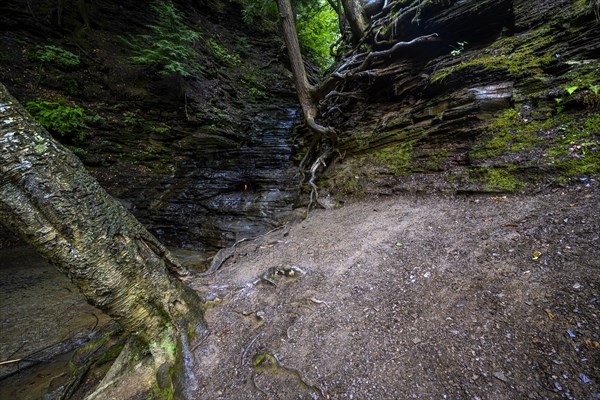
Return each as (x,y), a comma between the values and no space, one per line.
(202,156)
(507,100)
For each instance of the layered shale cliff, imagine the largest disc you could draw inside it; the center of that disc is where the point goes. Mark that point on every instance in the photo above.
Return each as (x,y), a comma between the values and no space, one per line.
(202,160)
(505,100)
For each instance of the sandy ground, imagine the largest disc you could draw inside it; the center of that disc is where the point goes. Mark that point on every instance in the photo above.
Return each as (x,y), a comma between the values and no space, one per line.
(468,297)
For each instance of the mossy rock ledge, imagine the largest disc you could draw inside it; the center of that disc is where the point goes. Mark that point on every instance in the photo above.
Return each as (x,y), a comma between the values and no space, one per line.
(513,109)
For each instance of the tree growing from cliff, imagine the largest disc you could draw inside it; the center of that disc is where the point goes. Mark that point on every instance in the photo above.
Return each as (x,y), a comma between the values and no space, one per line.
(304,89)
(49,200)
(356,64)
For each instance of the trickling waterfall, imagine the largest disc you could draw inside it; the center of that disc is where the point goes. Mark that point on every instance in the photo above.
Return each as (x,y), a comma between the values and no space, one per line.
(231,189)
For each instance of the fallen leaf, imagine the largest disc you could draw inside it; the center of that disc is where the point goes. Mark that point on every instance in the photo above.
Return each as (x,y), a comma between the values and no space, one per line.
(536,255)
(549,314)
(398,244)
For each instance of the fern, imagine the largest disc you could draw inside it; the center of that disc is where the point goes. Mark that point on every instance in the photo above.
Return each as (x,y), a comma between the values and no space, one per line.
(55,55)
(56,117)
(170,45)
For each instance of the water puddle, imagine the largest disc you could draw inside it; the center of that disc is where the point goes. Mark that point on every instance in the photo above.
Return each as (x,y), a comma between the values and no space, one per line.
(43,319)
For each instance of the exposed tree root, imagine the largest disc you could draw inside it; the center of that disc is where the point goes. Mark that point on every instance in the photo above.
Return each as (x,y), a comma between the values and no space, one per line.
(374,55)
(222,256)
(314,194)
(356,66)
(354,95)
(247,348)
(141,369)
(228,252)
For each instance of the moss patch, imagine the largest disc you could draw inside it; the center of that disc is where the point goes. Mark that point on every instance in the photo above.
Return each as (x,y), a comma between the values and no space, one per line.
(500,180)
(575,152)
(511,132)
(397,159)
(520,55)
(435,160)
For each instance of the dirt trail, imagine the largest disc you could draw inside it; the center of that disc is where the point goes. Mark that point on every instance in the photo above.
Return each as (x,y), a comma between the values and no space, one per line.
(469,297)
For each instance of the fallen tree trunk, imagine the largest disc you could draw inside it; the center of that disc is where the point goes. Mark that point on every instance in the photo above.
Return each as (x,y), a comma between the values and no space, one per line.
(49,200)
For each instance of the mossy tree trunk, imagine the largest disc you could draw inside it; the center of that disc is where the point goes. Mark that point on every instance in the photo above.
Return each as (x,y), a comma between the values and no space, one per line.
(50,201)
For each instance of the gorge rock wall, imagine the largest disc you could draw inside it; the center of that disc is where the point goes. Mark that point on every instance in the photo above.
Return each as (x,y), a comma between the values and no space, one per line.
(487,107)
(201,161)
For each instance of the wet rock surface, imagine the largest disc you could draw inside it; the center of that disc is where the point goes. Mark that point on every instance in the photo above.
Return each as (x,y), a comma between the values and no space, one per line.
(201,162)
(44,318)
(220,189)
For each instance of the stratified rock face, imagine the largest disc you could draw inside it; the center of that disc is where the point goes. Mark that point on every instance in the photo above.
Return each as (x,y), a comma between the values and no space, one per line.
(506,100)
(216,190)
(201,161)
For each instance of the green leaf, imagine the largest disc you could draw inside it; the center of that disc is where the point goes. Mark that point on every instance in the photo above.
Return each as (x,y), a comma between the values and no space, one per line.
(571,89)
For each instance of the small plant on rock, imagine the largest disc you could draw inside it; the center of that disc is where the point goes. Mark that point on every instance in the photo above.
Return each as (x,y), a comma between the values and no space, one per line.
(56,55)
(592,99)
(59,118)
(170,45)
(222,53)
(460,47)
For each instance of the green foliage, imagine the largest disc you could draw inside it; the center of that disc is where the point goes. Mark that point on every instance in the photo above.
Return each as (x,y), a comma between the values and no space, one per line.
(170,45)
(591,98)
(317,26)
(55,55)
(559,106)
(158,129)
(256,89)
(57,117)
(256,93)
(460,47)
(223,54)
(130,118)
(571,89)
(260,13)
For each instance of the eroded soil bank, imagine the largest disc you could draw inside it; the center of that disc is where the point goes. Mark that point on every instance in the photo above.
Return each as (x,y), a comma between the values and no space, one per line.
(424,296)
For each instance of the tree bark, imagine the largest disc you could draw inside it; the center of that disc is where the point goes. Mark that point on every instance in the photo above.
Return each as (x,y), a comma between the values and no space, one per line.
(355,17)
(49,200)
(303,87)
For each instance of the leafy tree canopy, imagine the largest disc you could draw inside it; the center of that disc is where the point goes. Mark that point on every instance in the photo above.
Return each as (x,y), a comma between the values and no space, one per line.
(316,22)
